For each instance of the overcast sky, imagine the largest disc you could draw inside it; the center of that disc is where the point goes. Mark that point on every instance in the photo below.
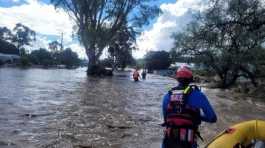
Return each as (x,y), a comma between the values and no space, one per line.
(50,23)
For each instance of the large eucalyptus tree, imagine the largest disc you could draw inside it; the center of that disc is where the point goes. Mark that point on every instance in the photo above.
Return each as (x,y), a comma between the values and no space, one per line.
(98,21)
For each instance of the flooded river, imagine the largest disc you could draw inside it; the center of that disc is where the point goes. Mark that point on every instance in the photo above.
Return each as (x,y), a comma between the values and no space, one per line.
(58,108)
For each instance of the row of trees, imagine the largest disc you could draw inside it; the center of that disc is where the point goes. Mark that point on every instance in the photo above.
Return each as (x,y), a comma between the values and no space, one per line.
(43,57)
(14,42)
(227,38)
(100,24)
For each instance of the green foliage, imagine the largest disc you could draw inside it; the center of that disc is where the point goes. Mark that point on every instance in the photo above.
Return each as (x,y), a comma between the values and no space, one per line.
(54,46)
(69,58)
(140,63)
(121,50)
(107,62)
(41,57)
(23,35)
(66,57)
(5,34)
(156,60)
(25,61)
(226,38)
(8,48)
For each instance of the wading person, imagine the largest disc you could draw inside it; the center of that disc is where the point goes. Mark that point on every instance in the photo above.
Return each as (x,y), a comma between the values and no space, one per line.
(144,74)
(184,107)
(136,75)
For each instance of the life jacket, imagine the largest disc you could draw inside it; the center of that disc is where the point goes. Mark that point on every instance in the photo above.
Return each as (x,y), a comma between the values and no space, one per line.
(135,75)
(181,120)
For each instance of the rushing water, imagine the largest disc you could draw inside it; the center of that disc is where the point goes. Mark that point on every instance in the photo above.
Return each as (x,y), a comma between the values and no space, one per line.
(58,108)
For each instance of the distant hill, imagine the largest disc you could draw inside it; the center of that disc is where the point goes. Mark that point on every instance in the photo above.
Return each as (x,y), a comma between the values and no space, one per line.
(8,48)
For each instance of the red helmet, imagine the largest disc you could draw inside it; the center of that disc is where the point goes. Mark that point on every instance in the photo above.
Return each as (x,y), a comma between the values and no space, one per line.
(184,72)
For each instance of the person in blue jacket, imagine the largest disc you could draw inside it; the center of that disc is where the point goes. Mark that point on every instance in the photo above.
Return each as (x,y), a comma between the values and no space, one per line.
(184,107)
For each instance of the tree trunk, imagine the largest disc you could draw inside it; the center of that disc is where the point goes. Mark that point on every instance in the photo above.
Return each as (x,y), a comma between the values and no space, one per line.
(250,75)
(113,64)
(232,81)
(226,80)
(94,68)
(223,82)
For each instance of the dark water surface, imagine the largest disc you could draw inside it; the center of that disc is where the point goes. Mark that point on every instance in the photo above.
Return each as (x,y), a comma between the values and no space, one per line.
(57,108)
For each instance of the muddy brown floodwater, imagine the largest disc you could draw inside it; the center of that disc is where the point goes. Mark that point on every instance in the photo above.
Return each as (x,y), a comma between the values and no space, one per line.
(57,108)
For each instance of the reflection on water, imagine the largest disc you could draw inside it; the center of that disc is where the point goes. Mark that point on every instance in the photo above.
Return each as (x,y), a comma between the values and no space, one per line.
(30,100)
(64,108)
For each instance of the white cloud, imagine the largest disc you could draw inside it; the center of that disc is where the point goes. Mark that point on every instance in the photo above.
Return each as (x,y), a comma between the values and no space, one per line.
(41,42)
(43,19)
(174,18)
(78,49)
(14,1)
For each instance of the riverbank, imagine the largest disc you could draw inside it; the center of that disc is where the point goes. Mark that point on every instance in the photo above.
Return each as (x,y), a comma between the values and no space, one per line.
(242,89)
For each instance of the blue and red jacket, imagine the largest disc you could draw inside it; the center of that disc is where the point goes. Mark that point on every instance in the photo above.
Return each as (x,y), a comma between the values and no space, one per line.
(198,102)
(196,99)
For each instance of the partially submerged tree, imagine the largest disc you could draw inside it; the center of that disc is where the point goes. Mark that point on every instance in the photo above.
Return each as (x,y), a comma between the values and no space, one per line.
(227,38)
(98,21)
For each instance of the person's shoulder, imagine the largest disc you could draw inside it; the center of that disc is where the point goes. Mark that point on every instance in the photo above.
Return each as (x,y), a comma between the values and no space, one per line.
(168,93)
(196,91)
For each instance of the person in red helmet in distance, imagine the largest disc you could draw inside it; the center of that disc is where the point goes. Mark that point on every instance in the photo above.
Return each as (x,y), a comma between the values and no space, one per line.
(136,75)
(184,108)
